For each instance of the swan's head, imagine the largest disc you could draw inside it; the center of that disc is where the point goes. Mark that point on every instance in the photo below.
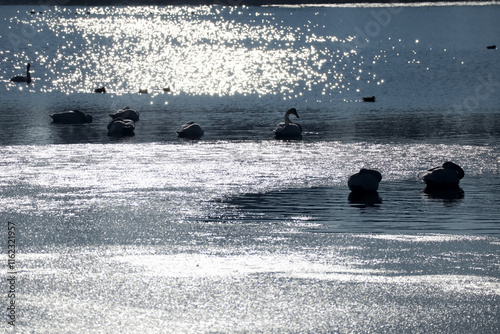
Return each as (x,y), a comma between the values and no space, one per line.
(293,111)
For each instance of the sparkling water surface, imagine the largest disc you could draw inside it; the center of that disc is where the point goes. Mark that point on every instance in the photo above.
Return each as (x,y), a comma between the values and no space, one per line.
(239,232)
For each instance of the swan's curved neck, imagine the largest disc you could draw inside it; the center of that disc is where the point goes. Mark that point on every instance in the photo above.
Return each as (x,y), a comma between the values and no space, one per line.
(287,118)
(28,75)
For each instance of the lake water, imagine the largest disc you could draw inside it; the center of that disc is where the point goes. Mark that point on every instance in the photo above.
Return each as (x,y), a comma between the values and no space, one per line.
(239,232)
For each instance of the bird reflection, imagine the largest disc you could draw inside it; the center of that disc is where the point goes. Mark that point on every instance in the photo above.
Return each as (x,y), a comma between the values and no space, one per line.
(449,194)
(364,198)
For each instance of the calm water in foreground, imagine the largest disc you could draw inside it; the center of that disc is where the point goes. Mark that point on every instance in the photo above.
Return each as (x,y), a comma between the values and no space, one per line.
(239,232)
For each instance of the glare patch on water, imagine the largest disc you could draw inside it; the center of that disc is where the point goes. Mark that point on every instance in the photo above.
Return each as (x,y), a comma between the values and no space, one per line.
(206,266)
(200,265)
(425,238)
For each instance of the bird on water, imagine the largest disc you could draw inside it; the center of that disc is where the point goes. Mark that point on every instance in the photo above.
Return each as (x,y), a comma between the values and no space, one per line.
(23,78)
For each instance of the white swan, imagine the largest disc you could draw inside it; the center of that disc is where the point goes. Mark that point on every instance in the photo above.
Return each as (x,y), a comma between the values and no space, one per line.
(121,127)
(366,180)
(191,130)
(447,175)
(22,78)
(288,129)
(126,113)
(71,117)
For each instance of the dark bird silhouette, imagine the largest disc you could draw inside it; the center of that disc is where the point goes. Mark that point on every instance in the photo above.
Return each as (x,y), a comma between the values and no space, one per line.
(191,130)
(22,78)
(71,117)
(126,113)
(447,175)
(288,129)
(365,181)
(121,127)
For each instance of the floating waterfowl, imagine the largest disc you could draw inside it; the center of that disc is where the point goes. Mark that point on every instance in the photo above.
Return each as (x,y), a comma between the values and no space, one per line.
(143,91)
(166,89)
(447,175)
(71,117)
(288,129)
(369,99)
(100,90)
(126,113)
(491,47)
(365,181)
(23,78)
(190,130)
(121,127)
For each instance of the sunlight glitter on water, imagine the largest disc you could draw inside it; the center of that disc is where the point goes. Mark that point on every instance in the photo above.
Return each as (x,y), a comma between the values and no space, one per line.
(204,50)
(239,51)
(344,278)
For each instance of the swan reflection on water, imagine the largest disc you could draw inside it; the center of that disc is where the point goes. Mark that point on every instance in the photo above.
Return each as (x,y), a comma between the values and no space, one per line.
(449,194)
(365,199)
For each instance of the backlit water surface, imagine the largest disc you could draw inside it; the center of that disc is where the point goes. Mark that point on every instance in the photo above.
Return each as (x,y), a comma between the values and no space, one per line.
(239,232)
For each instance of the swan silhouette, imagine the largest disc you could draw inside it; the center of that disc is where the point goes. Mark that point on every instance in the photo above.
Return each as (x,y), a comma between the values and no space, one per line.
(126,113)
(445,176)
(190,130)
(121,127)
(365,181)
(288,129)
(71,117)
(22,78)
